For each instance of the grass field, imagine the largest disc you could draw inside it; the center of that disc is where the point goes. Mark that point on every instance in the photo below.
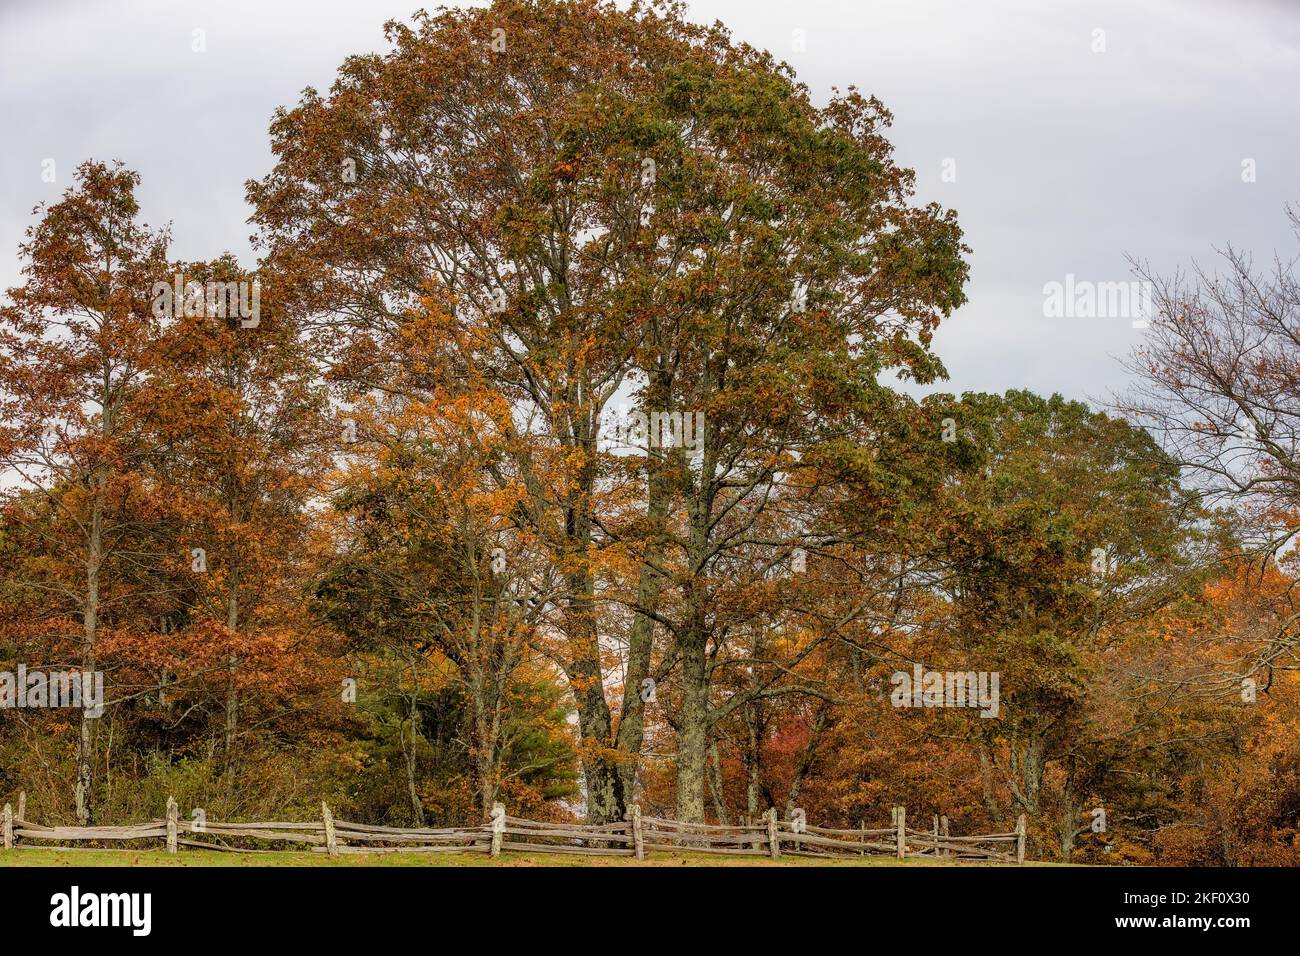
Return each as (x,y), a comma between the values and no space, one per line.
(61,857)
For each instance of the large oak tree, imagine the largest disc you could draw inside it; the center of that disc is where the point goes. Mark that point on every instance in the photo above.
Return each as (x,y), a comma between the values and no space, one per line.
(623,200)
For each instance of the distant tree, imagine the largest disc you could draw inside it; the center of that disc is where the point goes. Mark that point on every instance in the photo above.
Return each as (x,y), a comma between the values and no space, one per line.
(1216,379)
(235,408)
(1071,537)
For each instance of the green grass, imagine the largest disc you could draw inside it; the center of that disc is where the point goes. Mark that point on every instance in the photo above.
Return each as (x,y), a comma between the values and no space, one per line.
(186,857)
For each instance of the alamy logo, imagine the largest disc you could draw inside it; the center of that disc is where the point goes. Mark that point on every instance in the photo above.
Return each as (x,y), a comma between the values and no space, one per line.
(38,689)
(1082,299)
(662,430)
(103,909)
(923,688)
(193,299)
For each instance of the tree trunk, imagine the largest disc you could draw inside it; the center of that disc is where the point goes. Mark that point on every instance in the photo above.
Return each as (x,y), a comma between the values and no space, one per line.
(605,802)
(232,666)
(754,734)
(485,739)
(753,763)
(991,804)
(90,625)
(1028,760)
(604,783)
(600,770)
(693,730)
(631,724)
(407,737)
(716,785)
(1069,828)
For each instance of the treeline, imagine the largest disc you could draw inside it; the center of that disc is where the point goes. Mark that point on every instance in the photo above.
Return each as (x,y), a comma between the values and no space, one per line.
(548,456)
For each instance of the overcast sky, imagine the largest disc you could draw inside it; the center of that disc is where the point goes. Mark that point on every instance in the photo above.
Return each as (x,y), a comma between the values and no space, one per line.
(1065,156)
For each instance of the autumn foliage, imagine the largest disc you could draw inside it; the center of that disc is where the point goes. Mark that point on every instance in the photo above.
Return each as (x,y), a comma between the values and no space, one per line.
(559,464)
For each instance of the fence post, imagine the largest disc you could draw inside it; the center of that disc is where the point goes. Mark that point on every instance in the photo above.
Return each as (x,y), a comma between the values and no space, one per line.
(943,822)
(1020,838)
(901,825)
(331,840)
(638,841)
(773,837)
(172,812)
(22,805)
(862,825)
(9,827)
(498,827)
(936,836)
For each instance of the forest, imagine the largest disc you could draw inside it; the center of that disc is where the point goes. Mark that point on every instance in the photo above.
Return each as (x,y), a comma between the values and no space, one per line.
(577,440)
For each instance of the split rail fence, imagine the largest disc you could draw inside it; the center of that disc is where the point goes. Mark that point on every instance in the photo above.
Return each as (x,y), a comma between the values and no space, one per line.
(635,837)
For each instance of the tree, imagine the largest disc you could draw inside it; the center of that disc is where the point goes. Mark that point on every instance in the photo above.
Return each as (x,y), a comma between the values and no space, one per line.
(234,405)
(75,343)
(594,189)
(432,565)
(1216,381)
(1073,534)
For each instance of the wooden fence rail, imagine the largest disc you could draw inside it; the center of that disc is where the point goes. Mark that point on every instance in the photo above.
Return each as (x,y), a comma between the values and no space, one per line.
(633,837)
